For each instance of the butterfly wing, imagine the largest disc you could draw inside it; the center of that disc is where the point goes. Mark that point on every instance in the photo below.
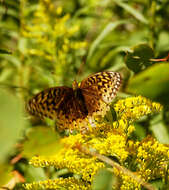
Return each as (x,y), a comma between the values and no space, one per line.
(47,103)
(73,111)
(60,104)
(105,83)
(99,90)
(70,108)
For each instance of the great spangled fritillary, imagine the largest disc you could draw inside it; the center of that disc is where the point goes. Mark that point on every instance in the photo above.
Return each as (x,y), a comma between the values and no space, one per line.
(72,107)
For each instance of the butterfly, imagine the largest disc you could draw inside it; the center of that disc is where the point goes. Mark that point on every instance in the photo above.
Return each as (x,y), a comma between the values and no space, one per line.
(72,108)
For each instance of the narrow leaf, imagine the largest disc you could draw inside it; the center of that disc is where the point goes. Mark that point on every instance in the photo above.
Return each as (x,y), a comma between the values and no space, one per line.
(132,11)
(109,28)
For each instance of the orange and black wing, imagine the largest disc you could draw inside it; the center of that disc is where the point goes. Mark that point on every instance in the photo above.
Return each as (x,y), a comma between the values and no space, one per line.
(60,104)
(47,103)
(70,108)
(99,90)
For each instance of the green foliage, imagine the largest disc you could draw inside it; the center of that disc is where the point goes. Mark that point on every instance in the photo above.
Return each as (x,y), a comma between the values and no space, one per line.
(3,51)
(152,82)
(159,129)
(103,180)
(5,171)
(44,43)
(108,29)
(32,173)
(139,58)
(39,140)
(12,123)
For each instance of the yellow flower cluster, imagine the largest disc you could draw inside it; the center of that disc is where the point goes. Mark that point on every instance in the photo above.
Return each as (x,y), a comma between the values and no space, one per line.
(134,108)
(69,183)
(75,161)
(153,159)
(50,35)
(128,183)
(110,145)
(128,110)
(149,156)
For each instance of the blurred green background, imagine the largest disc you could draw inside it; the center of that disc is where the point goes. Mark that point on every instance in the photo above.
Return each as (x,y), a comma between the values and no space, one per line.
(48,43)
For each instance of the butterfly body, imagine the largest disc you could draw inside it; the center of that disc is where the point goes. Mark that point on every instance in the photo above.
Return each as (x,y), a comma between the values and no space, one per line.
(72,107)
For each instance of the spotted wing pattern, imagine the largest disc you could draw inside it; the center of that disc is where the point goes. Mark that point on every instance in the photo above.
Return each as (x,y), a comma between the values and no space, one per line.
(73,108)
(99,90)
(60,104)
(105,83)
(47,102)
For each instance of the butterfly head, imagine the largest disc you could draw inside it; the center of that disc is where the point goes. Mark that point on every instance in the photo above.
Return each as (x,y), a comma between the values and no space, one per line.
(75,85)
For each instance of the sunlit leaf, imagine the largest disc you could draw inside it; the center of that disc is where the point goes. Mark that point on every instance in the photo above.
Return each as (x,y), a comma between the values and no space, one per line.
(11,121)
(103,180)
(152,83)
(160,132)
(159,129)
(32,173)
(5,171)
(39,140)
(163,42)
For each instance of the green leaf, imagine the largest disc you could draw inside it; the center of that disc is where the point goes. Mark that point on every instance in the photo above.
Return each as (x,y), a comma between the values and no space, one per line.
(103,180)
(132,11)
(152,83)
(140,131)
(11,122)
(160,132)
(5,171)
(159,129)
(112,53)
(158,184)
(32,173)
(139,58)
(12,58)
(41,141)
(109,28)
(163,42)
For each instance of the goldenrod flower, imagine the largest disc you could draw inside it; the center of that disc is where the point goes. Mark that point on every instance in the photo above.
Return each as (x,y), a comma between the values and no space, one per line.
(110,139)
(153,158)
(75,161)
(69,183)
(135,107)
(50,36)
